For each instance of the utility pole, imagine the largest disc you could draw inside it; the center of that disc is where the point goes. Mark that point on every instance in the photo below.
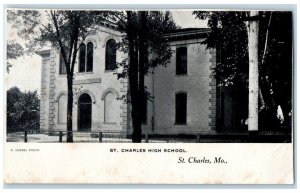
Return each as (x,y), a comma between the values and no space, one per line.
(253,70)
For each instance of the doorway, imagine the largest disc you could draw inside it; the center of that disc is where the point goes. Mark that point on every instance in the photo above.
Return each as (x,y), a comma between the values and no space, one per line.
(84,113)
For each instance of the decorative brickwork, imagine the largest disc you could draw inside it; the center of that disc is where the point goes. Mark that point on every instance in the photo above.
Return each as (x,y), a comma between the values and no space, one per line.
(43,103)
(92,39)
(212,91)
(199,84)
(76,97)
(124,106)
(110,90)
(52,90)
(87,81)
(111,36)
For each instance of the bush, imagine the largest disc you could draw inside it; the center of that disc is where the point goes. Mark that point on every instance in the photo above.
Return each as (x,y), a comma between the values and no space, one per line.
(23,111)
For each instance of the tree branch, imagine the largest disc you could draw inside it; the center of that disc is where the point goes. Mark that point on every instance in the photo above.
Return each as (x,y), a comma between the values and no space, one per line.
(54,20)
(266,40)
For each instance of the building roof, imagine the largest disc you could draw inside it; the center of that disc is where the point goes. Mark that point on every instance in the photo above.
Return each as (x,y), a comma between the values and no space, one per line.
(187,33)
(178,34)
(44,53)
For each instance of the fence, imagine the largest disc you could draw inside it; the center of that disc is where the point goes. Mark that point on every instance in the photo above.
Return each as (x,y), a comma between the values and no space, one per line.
(122,137)
(61,136)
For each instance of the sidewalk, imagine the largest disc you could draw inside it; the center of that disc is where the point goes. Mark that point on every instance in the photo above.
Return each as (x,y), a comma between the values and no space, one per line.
(82,138)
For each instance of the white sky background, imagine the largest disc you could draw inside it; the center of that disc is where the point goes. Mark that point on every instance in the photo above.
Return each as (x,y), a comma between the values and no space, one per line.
(26,71)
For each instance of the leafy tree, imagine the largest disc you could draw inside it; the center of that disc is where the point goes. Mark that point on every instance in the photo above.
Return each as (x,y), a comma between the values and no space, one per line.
(22,110)
(229,36)
(14,50)
(65,30)
(143,36)
(61,29)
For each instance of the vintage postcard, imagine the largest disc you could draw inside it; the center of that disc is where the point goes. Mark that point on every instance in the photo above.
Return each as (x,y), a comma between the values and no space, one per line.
(117,96)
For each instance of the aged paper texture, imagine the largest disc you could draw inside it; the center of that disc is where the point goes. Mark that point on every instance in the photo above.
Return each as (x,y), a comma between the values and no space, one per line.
(149,97)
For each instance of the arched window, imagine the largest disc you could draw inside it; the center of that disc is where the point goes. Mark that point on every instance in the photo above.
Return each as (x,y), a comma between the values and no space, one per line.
(181,100)
(181,60)
(84,112)
(82,57)
(86,57)
(62,109)
(89,63)
(110,55)
(110,108)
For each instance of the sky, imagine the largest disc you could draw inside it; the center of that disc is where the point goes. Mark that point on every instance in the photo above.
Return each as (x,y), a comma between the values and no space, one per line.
(185,19)
(26,71)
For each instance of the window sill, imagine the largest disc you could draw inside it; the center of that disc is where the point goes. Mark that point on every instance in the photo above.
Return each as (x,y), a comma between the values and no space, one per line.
(108,71)
(83,73)
(180,124)
(109,123)
(180,75)
(62,75)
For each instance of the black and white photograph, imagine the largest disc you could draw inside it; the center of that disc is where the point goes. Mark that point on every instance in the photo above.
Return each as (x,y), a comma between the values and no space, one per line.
(149,76)
(149,95)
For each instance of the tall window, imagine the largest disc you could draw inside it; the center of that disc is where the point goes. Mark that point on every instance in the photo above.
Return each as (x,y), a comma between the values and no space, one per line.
(86,57)
(181,60)
(89,62)
(181,99)
(62,66)
(110,55)
(82,58)
(110,108)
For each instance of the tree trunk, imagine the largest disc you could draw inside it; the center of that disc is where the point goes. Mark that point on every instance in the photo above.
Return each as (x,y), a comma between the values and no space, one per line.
(253,71)
(136,98)
(133,78)
(69,109)
(143,58)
